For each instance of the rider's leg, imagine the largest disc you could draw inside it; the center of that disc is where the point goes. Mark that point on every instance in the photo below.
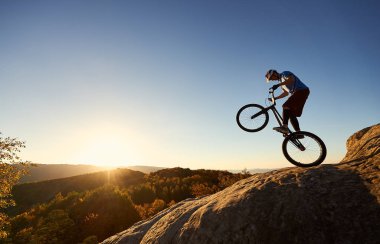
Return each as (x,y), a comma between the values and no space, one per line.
(296,126)
(285,119)
(286,115)
(294,121)
(295,105)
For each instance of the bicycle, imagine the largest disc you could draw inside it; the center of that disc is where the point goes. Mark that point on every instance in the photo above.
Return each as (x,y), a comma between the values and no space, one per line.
(302,148)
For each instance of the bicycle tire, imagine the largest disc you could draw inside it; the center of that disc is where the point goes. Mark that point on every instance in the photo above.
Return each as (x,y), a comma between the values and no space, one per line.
(245,114)
(314,150)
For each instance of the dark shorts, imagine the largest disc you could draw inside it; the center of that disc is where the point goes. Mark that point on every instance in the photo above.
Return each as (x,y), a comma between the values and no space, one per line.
(296,102)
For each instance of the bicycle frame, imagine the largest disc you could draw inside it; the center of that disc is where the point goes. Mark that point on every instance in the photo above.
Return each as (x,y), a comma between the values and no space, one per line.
(272,107)
(278,117)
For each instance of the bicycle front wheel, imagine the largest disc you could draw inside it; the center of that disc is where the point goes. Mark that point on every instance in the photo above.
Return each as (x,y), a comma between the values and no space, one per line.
(252,117)
(304,149)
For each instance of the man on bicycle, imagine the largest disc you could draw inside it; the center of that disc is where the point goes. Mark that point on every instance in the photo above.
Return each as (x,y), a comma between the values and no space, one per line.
(293,107)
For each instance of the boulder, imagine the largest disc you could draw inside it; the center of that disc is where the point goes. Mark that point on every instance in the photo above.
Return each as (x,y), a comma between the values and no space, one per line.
(330,203)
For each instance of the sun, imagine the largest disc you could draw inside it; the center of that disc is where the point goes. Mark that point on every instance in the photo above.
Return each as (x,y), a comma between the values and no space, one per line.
(106,149)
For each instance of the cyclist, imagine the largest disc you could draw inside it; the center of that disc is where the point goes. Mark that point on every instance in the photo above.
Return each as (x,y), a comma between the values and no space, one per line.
(293,107)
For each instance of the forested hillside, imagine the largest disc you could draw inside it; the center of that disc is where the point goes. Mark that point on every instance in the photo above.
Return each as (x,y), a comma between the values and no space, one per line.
(42,172)
(91,207)
(27,195)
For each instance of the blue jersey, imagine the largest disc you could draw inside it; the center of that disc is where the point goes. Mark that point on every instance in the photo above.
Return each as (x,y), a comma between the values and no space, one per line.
(297,85)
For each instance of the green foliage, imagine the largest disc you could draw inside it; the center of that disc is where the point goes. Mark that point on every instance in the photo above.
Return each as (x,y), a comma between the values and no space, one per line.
(143,193)
(56,227)
(27,195)
(105,211)
(100,213)
(178,184)
(11,169)
(149,209)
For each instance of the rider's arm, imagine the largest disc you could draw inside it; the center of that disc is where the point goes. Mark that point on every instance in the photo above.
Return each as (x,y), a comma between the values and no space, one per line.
(283,94)
(288,81)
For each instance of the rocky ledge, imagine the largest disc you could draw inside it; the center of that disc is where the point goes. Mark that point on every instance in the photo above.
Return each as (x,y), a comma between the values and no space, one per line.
(337,203)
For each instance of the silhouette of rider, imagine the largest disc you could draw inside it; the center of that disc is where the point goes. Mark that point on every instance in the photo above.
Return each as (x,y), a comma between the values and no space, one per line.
(293,107)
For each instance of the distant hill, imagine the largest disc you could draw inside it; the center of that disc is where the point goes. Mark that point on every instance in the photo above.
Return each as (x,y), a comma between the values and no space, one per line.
(42,172)
(252,171)
(145,169)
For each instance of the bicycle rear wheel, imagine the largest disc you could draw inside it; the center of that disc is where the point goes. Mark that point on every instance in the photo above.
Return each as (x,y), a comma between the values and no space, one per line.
(252,117)
(306,152)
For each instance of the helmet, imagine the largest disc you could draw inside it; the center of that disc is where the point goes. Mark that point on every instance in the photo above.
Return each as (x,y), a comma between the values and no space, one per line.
(269,74)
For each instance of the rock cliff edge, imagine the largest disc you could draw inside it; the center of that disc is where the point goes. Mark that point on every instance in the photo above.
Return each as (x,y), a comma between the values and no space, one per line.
(331,203)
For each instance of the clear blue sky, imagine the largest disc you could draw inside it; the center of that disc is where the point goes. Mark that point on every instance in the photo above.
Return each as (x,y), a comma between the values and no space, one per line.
(159,82)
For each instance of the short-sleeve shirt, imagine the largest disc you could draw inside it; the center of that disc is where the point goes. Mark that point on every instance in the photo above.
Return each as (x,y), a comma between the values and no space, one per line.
(297,85)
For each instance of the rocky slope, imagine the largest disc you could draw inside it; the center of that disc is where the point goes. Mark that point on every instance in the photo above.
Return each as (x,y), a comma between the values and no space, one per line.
(337,203)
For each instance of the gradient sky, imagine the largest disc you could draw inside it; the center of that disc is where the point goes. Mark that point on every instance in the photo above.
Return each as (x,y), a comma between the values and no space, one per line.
(159,82)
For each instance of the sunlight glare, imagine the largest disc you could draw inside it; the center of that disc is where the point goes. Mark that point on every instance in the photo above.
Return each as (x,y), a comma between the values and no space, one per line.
(107,149)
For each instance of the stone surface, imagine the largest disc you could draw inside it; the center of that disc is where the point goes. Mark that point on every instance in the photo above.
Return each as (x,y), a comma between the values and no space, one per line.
(338,203)
(363,144)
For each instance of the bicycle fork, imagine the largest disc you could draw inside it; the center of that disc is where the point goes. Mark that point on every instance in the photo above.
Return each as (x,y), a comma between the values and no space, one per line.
(297,143)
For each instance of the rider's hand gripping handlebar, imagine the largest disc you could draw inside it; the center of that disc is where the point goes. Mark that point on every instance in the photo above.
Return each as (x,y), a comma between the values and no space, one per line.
(271,98)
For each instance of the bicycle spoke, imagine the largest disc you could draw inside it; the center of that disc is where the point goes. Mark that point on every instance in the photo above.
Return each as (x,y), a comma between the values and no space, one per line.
(245,120)
(311,153)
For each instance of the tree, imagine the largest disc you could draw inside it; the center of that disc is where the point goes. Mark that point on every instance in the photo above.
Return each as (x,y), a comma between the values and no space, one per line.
(57,227)
(90,240)
(11,169)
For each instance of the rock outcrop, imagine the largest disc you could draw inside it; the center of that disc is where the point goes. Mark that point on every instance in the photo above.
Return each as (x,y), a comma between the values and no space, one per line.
(363,145)
(337,203)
